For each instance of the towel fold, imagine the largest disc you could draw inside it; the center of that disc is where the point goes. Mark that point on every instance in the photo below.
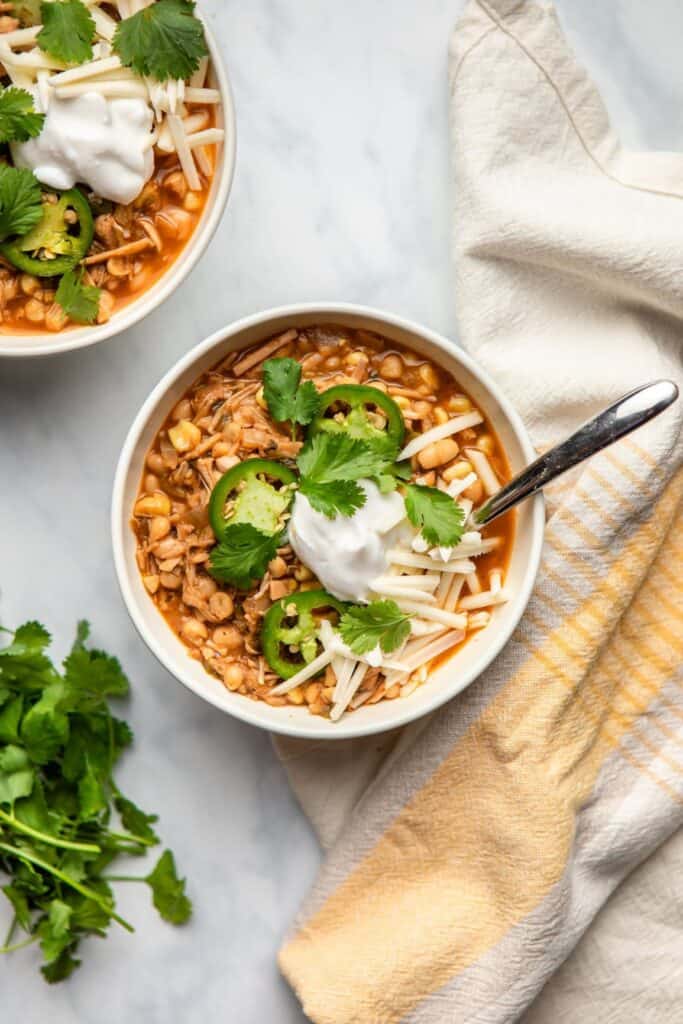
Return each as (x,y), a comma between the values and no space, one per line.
(468,855)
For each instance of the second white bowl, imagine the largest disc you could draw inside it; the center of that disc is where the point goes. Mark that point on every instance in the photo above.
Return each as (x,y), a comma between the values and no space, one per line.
(45,343)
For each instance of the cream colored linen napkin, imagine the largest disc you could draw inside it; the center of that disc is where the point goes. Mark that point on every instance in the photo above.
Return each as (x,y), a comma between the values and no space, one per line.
(467,857)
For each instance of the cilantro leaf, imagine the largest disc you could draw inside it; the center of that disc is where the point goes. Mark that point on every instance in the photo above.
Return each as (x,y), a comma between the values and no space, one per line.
(61,968)
(338,497)
(136,821)
(91,795)
(33,811)
(242,555)
(80,302)
(362,627)
(19,903)
(68,31)
(20,203)
(436,514)
(10,716)
(19,120)
(55,931)
(16,774)
(94,674)
(286,397)
(27,11)
(168,891)
(165,40)
(45,727)
(326,458)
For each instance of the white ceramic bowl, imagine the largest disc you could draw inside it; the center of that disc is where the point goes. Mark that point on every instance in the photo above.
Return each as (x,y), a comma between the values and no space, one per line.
(45,343)
(446,681)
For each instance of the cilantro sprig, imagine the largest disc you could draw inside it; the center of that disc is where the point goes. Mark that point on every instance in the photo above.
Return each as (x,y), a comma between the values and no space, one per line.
(286,397)
(162,41)
(68,31)
(20,203)
(80,302)
(243,554)
(330,466)
(19,120)
(363,627)
(436,514)
(59,744)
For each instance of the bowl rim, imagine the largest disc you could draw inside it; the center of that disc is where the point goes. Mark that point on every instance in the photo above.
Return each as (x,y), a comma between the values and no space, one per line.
(16,346)
(246,710)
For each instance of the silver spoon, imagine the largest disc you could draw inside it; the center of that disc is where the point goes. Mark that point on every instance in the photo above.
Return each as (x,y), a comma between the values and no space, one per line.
(627,414)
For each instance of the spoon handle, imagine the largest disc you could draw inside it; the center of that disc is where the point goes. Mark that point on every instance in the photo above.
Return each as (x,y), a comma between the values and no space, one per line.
(628,413)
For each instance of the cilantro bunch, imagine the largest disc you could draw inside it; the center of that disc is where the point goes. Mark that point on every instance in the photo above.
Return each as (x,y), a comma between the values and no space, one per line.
(59,744)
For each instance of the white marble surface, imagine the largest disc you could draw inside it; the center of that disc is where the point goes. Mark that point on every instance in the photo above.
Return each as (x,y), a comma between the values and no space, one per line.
(342,193)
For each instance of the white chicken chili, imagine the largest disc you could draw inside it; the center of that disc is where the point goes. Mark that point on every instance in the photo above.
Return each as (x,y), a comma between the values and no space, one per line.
(304,521)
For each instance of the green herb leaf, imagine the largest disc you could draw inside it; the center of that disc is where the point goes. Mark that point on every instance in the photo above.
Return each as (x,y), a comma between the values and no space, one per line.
(165,40)
(436,514)
(362,627)
(20,203)
(136,821)
(91,794)
(68,31)
(168,891)
(27,11)
(242,555)
(326,458)
(45,727)
(19,902)
(33,811)
(16,774)
(341,497)
(55,931)
(61,968)
(80,302)
(92,675)
(286,397)
(19,120)
(10,716)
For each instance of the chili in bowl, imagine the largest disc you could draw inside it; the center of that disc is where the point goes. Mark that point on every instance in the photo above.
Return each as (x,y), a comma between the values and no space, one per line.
(293,524)
(117,163)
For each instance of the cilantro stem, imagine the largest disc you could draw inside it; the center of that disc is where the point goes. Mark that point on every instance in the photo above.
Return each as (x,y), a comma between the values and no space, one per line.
(19,945)
(41,837)
(132,838)
(11,930)
(89,894)
(122,878)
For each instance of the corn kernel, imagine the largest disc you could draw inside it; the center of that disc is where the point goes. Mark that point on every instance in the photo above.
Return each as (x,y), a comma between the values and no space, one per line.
(459,404)
(184,436)
(458,471)
(157,504)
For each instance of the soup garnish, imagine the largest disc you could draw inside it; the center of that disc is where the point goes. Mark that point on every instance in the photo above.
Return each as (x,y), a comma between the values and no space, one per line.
(111,133)
(304,522)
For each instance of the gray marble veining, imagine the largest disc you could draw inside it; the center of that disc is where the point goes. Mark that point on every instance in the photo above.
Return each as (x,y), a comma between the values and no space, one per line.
(341,192)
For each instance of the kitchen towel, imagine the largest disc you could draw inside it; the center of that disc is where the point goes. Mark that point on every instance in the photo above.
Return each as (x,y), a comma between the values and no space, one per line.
(467,856)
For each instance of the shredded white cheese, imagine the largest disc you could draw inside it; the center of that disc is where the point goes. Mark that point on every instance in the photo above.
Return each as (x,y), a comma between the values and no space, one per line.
(454,426)
(484,470)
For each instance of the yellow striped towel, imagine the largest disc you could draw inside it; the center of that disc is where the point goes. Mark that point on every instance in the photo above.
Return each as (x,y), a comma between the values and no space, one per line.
(472,862)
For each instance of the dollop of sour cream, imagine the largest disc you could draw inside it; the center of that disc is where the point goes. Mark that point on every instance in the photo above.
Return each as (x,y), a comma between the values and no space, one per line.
(348,552)
(103,143)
